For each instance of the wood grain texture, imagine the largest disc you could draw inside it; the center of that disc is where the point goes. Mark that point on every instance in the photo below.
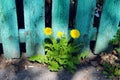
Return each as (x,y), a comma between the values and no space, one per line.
(84,21)
(60,16)
(34,14)
(9,29)
(21,34)
(108,25)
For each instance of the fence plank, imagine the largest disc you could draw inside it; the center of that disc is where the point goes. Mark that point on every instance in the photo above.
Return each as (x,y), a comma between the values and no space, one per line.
(34,26)
(84,21)
(9,29)
(108,24)
(60,16)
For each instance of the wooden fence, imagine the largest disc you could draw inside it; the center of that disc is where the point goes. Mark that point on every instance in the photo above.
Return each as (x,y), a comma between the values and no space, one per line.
(34,19)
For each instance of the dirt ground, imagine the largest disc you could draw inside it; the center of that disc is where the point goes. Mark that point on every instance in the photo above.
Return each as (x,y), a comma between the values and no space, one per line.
(23,69)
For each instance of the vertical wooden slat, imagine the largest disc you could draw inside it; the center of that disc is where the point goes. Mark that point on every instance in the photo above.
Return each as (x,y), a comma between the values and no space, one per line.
(60,16)
(84,21)
(34,12)
(108,24)
(9,29)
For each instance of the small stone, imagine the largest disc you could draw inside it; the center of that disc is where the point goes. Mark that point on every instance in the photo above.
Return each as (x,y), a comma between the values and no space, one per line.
(30,66)
(114,52)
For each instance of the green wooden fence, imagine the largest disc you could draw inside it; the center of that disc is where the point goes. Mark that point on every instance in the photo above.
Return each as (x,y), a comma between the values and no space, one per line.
(34,19)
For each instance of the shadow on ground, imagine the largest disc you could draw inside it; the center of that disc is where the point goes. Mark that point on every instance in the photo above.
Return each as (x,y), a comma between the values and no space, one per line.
(25,70)
(84,72)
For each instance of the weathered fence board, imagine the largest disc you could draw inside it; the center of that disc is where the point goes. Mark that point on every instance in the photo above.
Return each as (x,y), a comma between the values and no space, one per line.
(34,12)
(108,25)
(60,16)
(84,20)
(9,29)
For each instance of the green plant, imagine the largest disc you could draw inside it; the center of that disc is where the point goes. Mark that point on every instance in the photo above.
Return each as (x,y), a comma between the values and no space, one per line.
(39,58)
(117,70)
(118,51)
(116,39)
(108,70)
(61,52)
(111,70)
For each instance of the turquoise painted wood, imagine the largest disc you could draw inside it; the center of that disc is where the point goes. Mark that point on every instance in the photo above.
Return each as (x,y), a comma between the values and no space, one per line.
(60,16)
(34,14)
(9,29)
(108,25)
(21,36)
(84,21)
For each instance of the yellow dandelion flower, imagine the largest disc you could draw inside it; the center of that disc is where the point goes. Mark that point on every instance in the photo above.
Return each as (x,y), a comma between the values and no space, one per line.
(74,33)
(48,31)
(60,34)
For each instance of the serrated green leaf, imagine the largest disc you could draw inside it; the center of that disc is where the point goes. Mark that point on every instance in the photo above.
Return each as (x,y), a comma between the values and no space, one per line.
(75,60)
(106,73)
(117,49)
(62,62)
(111,76)
(114,41)
(71,66)
(35,57)
(42,60)
(54,66)
(39,58)
(60,53)
(65,56)
(117,72)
